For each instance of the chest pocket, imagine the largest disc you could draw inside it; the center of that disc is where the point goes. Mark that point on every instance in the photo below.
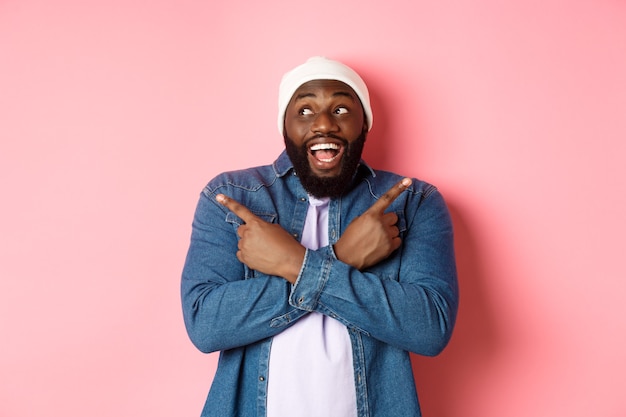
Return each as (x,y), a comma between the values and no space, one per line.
(236,221)
(390,268)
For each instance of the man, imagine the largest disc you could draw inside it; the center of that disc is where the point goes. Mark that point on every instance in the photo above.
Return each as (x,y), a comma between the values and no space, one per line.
(316,276)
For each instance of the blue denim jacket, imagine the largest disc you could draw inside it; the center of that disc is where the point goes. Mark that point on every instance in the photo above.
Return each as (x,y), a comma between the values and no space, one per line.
(406,303)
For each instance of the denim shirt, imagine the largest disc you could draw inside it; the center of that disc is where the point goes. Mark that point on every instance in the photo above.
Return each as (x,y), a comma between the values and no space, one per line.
(406,303)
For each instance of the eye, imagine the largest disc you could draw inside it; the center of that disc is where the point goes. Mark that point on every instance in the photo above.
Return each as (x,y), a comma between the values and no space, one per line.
(306,111)
(341,110)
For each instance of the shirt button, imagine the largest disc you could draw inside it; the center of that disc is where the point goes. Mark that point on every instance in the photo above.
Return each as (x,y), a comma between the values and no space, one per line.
(261,378)
(302,199)
(300,300)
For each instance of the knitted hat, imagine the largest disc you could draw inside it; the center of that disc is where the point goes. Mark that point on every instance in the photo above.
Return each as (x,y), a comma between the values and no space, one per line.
(321,68)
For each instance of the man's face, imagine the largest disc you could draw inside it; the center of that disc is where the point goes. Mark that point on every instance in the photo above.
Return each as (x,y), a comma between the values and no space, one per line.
(325,129)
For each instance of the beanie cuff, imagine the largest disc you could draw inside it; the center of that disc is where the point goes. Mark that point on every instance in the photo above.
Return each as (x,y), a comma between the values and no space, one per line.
(321,68)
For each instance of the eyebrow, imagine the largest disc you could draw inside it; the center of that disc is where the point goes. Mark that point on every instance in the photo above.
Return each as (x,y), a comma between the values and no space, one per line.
(335,94)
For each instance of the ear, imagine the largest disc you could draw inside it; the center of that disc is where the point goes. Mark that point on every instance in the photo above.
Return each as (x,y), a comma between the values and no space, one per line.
(364,121)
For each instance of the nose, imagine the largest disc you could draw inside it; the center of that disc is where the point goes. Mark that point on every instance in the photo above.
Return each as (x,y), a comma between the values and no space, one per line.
(324,122)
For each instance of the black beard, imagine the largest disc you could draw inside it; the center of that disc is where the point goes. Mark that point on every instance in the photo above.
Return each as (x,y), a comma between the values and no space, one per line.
(320,187)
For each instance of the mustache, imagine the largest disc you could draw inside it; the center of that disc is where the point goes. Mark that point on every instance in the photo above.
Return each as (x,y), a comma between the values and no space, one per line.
(327,136)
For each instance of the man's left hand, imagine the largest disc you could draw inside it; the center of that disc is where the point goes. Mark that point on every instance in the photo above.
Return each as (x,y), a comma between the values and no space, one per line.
(263,246)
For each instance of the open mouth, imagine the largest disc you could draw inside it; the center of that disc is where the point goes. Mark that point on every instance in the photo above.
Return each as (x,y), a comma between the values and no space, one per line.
(326,152)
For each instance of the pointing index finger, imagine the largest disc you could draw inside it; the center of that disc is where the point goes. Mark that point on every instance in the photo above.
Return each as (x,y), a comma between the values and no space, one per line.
(236,207)
(389,197)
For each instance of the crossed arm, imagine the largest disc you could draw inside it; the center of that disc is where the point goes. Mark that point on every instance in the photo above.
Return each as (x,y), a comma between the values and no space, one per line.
(269,249)
(415,312)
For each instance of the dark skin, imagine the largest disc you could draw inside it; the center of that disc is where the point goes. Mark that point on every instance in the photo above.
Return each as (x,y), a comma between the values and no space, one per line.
(324,112)
(320,112)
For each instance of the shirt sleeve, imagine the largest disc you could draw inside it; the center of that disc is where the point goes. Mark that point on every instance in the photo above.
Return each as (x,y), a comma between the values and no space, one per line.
(417,310)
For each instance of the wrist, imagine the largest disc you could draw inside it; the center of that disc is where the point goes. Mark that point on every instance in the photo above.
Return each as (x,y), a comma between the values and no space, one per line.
(345,256)
(294,265)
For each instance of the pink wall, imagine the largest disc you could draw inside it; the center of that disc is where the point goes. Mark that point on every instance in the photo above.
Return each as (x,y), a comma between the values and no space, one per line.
(114,114)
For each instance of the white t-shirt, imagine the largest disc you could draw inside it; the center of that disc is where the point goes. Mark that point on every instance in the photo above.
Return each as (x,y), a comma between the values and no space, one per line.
(311,373)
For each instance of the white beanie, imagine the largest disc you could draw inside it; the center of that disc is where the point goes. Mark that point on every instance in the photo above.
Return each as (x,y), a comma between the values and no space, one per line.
(321,68)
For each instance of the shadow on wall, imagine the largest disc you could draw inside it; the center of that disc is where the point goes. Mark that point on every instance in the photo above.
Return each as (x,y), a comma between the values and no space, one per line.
(445,379)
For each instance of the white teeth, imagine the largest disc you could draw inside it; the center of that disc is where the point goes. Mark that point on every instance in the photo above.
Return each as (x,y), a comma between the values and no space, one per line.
(323,146)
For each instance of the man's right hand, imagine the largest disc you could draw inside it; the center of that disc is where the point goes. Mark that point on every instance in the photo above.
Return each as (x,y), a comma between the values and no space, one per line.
(372,236)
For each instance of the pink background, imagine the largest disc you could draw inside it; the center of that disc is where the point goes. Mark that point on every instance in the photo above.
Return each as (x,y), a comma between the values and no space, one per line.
(114,114)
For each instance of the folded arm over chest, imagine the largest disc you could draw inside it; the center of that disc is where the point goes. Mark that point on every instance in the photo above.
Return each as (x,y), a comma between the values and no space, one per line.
(223,307)
(408,300)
